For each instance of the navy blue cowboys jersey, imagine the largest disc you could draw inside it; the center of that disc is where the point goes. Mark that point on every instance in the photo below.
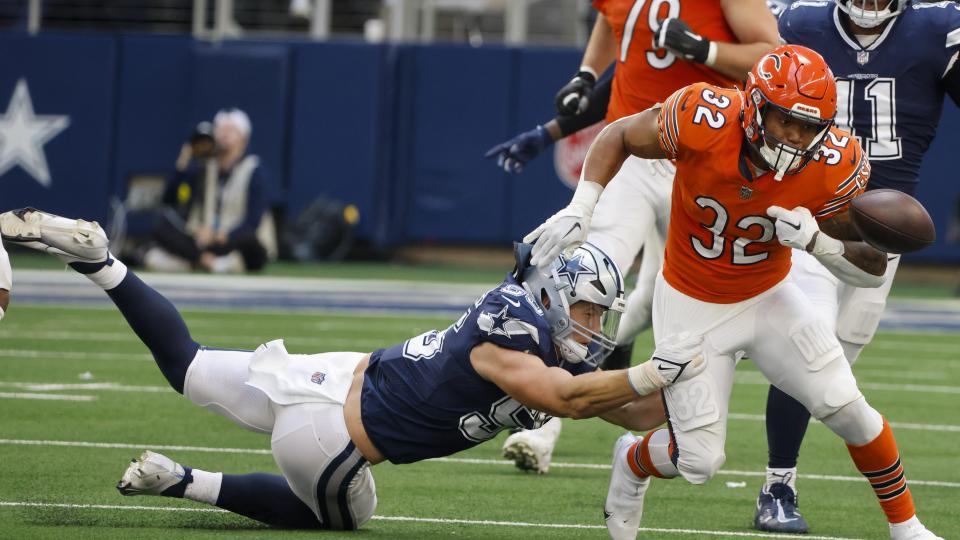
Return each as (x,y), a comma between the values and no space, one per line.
(423,399)
(890,93)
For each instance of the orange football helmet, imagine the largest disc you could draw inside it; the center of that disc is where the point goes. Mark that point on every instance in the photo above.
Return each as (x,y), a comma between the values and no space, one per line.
(796,81)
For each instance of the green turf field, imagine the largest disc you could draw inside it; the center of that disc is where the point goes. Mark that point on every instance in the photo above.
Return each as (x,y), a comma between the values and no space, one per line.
(60,458)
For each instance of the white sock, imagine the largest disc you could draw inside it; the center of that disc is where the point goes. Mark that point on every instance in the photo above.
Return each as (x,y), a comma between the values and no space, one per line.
(110,275)
(205,487)
(782,476)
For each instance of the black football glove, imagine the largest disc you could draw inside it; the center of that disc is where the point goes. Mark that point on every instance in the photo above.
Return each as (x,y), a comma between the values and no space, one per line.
(512,155)
(574,97)
(675,36)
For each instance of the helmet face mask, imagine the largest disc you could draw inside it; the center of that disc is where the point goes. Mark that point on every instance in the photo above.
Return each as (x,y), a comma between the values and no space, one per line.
(870,15)
(781,156)
(796,83)
(586,275)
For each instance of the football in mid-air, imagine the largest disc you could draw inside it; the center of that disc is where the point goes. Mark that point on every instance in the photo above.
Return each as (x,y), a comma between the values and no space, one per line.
(892,221)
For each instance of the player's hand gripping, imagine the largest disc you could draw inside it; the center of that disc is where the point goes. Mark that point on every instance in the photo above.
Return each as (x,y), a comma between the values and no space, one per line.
(679,357)
(796,228)
(676,36)
(574,97)
(567,228)
(514,154)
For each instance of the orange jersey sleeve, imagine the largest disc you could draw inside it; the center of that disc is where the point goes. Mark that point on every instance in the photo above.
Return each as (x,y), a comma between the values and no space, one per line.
(646,76)
(721,244)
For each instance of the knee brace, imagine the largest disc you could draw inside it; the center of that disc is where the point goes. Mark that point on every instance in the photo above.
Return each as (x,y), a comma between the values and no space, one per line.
(858,320)
(857,422)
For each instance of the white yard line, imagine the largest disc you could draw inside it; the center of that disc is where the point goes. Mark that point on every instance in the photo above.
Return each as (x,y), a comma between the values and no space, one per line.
(470,461)
(48,397)
(443,521)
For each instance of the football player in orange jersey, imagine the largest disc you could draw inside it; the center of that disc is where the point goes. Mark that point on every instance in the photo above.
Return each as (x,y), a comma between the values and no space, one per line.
(758,173)
(657,47)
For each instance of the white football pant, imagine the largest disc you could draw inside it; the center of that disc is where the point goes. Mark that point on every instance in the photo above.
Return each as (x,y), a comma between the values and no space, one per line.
(795,349)
(306,436)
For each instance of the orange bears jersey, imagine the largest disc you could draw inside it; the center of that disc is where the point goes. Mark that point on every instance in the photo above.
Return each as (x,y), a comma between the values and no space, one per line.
(721,245)
(645,76)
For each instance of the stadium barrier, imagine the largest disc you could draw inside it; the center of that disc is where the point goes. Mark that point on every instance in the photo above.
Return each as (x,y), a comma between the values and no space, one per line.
(399,131)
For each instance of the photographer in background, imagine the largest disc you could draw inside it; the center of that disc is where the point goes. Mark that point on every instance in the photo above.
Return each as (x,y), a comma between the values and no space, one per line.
(216,204)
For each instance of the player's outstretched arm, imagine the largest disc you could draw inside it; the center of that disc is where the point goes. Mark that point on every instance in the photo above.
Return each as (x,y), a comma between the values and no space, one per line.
(756,29)
(633,135)
(514,154)
(834,243)
(601,51)
(555,391)
(753,25)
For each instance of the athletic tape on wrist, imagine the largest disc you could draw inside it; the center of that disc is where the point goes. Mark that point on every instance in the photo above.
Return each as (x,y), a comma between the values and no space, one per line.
(587,194)
(711,55)
(644,378)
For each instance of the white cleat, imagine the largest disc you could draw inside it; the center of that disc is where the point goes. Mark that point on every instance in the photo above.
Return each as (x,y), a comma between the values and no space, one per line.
(624,505)
(150,474)
(72,240)
(530,450)
(911,529)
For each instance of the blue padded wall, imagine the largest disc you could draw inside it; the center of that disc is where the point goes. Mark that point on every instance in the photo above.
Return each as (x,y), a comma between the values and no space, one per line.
(72,76)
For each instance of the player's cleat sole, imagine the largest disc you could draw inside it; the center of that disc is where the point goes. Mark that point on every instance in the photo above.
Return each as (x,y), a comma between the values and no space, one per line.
(777,511)
(72,240)
(528,451)
(623,506)
(150,474)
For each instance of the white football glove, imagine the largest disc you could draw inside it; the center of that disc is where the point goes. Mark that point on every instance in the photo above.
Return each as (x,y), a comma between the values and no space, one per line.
(679,357)
(567,228)
(795,228)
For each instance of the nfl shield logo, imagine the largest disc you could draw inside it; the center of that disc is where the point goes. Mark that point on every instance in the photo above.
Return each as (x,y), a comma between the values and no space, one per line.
(863,57)
(318,377)
(745,192)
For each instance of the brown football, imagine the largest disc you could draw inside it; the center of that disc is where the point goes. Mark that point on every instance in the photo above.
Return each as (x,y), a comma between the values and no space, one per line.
(892,221)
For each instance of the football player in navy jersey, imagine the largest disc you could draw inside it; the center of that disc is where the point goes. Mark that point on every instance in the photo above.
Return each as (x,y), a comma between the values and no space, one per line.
(524,351)
(894,60)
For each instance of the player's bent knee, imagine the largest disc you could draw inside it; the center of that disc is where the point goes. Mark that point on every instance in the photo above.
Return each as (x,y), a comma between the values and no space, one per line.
(858,320)
(857,422)
(700,467)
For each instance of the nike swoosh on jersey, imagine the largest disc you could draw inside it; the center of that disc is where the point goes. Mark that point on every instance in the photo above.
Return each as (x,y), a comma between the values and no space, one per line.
(513,303)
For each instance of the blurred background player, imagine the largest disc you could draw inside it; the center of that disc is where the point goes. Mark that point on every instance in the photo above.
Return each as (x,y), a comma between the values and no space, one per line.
(6,280)
(657,47)
(894,60)
(759,173)
(216,204)
(525,350)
